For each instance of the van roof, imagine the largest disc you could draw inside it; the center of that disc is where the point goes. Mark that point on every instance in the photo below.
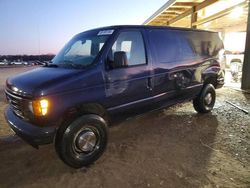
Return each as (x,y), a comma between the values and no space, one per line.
(150,27)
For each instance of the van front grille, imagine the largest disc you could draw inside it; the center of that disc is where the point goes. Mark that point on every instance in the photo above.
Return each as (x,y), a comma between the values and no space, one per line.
(16,103)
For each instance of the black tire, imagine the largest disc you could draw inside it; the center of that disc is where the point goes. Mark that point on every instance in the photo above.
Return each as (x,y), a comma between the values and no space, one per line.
(201,103)
(88,129)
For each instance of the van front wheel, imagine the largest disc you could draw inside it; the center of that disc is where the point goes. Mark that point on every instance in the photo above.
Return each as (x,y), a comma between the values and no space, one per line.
(204,102)
(83,141)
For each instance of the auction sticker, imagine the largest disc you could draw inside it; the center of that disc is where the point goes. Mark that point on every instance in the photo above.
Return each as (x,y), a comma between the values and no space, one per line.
(106,32)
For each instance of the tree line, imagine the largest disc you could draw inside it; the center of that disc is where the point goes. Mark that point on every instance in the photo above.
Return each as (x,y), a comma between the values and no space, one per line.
(46,57)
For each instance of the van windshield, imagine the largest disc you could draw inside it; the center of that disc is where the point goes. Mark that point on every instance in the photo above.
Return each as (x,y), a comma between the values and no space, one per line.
(80,51)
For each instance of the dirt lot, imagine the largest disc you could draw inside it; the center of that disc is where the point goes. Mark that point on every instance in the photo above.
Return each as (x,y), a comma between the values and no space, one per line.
(174,147)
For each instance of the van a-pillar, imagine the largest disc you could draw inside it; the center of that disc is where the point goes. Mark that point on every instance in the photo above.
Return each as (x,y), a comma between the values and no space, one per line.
(246,65)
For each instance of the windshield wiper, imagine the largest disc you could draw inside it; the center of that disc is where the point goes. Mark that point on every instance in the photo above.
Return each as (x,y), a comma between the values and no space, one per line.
(71,64)
(50,64)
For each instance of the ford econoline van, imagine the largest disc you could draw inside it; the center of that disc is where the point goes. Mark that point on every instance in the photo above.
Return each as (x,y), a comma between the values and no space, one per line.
(107,71)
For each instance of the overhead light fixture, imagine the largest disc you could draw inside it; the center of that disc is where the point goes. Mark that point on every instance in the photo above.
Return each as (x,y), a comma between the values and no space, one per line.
(237,12)
(206,24)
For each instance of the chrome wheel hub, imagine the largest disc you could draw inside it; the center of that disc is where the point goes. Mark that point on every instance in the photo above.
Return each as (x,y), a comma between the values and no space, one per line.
(86,141)
(208,98)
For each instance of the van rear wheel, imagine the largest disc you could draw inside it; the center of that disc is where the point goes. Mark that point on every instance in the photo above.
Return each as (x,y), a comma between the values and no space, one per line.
(205,101)
(83,141)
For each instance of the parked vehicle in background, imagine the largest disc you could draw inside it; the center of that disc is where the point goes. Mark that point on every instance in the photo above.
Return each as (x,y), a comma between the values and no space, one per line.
(19,63)
(108,71)
(236,69)
(3,63)
(233,55)
(36,62)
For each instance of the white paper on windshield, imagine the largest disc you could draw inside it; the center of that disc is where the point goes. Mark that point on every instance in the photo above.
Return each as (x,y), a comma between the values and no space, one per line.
(106,32)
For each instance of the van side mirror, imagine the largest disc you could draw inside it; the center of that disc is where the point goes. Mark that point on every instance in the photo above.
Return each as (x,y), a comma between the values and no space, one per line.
(120,59)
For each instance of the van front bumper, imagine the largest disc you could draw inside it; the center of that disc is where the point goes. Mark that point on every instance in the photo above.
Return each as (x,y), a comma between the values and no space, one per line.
(30,133)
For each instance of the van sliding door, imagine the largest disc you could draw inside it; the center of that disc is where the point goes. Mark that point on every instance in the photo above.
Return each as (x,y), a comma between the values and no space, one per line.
(173,63)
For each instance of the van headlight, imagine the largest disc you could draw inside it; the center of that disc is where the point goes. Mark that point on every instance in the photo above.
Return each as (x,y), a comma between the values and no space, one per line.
(40,107)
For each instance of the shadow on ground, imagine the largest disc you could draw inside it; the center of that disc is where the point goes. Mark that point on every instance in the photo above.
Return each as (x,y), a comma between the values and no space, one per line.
(152,150)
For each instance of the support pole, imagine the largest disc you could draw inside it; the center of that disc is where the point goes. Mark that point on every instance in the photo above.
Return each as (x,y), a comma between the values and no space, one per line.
(193,17)
(246,65)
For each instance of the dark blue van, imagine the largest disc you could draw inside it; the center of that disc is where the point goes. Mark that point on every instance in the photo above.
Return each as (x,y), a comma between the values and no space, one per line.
(107,71)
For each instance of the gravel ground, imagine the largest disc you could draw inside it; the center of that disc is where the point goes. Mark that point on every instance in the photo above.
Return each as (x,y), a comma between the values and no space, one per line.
(174,147)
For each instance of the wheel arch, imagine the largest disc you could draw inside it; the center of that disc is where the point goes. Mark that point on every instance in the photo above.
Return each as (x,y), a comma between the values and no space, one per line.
(86,108)
(210,75)
(212,79)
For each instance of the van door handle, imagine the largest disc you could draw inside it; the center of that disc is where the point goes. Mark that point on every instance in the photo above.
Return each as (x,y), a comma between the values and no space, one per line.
(149,85)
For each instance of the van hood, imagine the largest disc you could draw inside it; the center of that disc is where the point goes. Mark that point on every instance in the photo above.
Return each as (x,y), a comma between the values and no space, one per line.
(40,81)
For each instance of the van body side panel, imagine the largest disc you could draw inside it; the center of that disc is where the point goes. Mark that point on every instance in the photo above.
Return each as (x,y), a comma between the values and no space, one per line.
(206,46)
(181,61)
(174,64)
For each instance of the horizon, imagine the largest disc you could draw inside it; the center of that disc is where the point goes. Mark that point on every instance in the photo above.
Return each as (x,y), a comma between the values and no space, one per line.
(49,54)
(43,27)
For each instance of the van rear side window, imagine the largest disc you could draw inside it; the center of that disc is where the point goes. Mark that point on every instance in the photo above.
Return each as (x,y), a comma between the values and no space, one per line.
(170,46)
(165,45)
(185,49)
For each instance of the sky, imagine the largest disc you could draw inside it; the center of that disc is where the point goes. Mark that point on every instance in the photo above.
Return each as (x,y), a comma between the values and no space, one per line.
(36,27)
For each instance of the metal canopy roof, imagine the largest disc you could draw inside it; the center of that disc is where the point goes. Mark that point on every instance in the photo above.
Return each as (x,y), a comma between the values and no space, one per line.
(216,15)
